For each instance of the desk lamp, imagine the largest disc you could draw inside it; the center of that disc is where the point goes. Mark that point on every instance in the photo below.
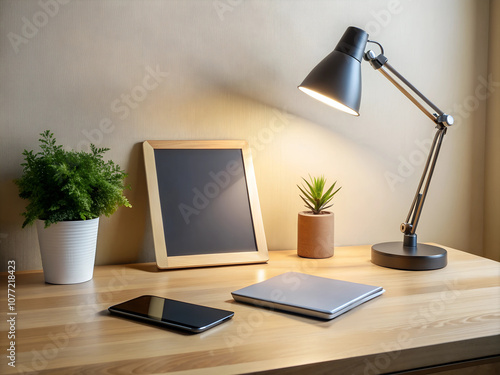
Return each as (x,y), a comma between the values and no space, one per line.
(336,81)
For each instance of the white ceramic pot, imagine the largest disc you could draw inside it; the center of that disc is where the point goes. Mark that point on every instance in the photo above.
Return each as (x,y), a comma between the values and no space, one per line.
(68,250)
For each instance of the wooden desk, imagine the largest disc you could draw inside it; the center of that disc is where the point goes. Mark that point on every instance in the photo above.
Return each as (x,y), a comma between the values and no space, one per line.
(424,319)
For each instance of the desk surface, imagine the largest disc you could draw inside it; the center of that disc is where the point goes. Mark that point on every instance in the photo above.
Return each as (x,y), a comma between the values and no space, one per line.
(423,319)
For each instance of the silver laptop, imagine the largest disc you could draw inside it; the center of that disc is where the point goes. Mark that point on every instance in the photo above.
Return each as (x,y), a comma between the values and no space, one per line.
(307,294)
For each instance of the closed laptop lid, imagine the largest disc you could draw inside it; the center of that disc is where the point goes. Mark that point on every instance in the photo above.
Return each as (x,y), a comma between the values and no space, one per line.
(307,294)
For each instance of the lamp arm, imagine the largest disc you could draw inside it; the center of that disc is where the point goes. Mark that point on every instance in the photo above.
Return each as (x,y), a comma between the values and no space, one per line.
(409,227)
(413,88)
(405,92)
(380,63)
(442,122)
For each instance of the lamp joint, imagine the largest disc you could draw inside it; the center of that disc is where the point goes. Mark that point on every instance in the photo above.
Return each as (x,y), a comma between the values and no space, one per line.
(375,61)
(444,119)
(406,228)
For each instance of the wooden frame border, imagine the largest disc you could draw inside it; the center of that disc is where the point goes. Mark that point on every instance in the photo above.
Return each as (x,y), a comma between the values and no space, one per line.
(163,261)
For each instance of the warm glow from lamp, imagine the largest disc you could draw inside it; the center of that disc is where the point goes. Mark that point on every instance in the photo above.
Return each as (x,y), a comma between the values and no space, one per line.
(329,101)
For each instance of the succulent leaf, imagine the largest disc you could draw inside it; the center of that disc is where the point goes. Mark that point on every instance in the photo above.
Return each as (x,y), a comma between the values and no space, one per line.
(313,196)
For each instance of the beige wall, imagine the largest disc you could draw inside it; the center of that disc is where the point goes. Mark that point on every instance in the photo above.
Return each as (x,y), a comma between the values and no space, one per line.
(229,70)
(492,149)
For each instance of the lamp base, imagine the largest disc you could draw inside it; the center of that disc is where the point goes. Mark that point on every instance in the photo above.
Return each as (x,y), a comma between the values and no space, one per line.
(421,257)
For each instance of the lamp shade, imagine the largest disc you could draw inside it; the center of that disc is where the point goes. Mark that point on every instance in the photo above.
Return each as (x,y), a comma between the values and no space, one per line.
(336,80)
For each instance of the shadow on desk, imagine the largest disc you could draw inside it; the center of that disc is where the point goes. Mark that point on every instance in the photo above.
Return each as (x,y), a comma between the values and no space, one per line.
(318,322)
(148,267)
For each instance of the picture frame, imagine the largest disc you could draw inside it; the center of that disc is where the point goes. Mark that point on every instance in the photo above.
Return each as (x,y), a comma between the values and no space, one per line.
(204,204)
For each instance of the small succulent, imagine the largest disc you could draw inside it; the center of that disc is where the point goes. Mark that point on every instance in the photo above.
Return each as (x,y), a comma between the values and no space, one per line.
(313,195)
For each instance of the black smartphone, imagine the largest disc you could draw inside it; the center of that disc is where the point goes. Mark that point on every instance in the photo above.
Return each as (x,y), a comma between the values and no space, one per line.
(171,313)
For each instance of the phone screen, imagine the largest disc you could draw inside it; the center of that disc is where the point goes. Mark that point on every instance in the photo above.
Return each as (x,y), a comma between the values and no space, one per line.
(172,313)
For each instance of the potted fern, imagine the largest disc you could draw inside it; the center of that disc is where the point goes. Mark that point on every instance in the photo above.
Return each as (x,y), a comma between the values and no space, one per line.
(67,191)
(316,225)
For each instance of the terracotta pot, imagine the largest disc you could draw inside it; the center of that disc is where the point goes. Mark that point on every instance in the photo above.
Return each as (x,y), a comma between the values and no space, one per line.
(315,234)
